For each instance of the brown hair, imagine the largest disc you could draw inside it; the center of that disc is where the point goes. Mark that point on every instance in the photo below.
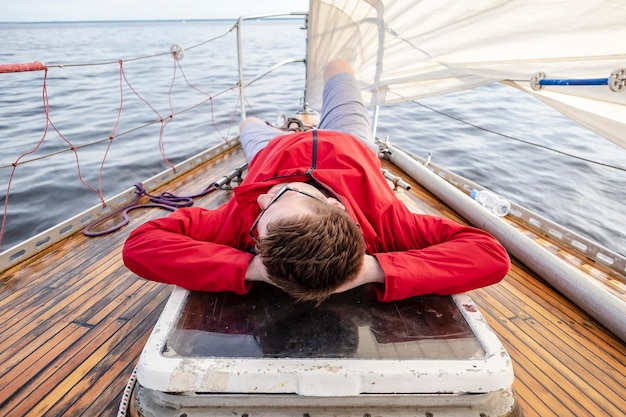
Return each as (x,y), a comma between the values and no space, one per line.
(311,255)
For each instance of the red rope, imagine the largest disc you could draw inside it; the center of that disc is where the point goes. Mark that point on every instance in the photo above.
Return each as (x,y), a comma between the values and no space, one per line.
(16,163)
(169,119)
(213,122)
(38,66)
(30,66)
(48,123)
(73,148)
(161,119)
(112,135)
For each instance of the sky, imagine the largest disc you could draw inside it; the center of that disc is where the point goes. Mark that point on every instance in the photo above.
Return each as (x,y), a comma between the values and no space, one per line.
(80,10)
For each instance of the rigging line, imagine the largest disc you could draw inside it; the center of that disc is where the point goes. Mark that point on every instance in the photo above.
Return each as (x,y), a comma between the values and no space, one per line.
(233,27)
(180,67)
(562,59)
(14,165)
(124,133)
(116,61)
(520,140)
(76,158)
(85,145)
(160,121)
(171,116)
(112,135)
(48,123)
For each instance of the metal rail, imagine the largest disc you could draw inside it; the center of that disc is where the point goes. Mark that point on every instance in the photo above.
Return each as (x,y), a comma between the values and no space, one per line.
(574,241)
(604,306)
(242,84)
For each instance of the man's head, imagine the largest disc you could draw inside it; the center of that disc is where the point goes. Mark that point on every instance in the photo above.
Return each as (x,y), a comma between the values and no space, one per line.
(308,243)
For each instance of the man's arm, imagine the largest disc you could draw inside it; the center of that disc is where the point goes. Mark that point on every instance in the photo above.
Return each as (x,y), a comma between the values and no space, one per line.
(444,257)
(256,271)
(448,258)
(178,249)
(370,272)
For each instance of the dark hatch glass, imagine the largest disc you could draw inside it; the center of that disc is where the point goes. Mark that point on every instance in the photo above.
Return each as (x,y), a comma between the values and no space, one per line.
(267,323)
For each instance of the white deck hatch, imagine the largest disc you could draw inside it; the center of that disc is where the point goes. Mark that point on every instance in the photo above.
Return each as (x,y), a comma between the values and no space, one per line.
(351,345)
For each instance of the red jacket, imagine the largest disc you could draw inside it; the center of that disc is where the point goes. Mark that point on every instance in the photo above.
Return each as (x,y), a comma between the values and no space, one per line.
(207,250)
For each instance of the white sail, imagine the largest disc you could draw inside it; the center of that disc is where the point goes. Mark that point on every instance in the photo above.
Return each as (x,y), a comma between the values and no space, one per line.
(410,49)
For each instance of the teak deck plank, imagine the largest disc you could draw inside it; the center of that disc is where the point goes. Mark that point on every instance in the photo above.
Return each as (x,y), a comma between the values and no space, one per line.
(74,320)
(558,374)
(565,363)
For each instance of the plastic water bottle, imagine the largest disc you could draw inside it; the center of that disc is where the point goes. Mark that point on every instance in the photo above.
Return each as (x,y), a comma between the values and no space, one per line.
(492,202)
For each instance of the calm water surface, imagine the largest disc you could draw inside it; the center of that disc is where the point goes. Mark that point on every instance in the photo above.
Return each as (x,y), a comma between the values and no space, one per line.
(84,101)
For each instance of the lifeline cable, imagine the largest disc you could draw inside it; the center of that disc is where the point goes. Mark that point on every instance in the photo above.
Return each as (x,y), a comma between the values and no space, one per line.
(591,161)
(123,81)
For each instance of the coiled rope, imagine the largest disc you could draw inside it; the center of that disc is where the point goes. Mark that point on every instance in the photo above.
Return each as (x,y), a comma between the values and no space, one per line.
(165,200)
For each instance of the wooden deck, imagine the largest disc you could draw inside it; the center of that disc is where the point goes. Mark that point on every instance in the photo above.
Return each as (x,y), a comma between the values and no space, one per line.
(74,320)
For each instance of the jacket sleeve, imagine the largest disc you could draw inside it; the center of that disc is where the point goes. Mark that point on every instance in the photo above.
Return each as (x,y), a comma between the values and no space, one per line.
(438,256)
(178,249)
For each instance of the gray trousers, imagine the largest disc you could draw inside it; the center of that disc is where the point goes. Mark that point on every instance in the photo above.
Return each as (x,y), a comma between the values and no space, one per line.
(342,111)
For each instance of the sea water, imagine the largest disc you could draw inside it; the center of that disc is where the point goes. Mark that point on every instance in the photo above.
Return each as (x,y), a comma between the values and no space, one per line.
(489,135)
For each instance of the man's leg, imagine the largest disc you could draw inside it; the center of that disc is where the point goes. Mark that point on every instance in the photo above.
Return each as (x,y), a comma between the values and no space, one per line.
(255,134)
(342,104)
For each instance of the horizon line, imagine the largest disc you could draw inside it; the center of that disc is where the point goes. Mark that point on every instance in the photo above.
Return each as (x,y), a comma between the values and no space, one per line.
(286,17)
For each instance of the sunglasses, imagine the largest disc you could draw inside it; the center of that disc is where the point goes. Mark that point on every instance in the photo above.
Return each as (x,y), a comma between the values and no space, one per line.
(253,230)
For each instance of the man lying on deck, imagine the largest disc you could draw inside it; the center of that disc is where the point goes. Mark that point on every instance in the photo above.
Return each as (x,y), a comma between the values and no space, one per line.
(315,216)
